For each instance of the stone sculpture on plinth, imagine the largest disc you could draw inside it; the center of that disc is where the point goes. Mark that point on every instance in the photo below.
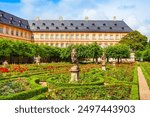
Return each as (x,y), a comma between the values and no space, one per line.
(37,60)
(103,61)
(5,64)
(75,69)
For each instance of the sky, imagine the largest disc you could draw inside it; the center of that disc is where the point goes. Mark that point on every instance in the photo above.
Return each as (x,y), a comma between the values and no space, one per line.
(134,12)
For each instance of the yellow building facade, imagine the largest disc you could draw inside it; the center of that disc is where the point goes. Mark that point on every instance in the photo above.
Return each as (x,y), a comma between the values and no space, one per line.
(62,33)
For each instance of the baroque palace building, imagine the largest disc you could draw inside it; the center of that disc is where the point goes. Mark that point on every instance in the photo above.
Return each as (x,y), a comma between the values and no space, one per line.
(62,33)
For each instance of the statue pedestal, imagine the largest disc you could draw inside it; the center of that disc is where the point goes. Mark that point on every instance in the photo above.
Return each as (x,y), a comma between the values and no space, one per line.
(74,74)
(114,63)
(104,67)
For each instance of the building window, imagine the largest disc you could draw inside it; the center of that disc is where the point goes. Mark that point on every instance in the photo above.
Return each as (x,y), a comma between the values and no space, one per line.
(57,36)
(67,37)
(62,36)
(25,34)
(71,36)
(56,44)
(111,36)
(1,30)
(7,31)
(46,36)
(99,36)
(52,36)
(105,36)
(17,34)
(43,24)
(77,36)
(12,32)
(82,36)
(42,36)
(117,37)
(62,45)
(87,36)
(94,36)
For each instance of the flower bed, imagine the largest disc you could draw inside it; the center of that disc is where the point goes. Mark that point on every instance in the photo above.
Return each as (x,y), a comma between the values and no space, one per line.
(119,82)
(111,92)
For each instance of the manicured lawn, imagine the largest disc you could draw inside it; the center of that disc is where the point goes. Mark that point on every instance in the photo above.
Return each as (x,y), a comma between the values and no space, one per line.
(146,71)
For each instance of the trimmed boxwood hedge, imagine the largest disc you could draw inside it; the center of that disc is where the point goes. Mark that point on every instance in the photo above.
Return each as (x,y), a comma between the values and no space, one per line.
(52,84)
(103,92)
(37,89)
(39,97)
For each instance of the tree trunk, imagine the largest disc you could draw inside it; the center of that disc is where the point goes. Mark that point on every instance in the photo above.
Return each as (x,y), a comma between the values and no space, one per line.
(118,60)
(96,60)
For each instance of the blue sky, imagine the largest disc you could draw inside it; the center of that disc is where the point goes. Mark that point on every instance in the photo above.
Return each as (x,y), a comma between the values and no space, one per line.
(134,12)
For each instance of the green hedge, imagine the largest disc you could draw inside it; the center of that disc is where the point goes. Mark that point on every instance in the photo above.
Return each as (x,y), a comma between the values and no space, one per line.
(134,95)
(108,92)
(52,84)
(25,94)
(22,75)
(39,97)
(37,89)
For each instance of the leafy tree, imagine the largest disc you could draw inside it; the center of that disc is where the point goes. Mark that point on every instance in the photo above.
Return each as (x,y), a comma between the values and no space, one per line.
(135,40)
(146,53)
(118,51)
(5,48)
(65,53)
(95,51)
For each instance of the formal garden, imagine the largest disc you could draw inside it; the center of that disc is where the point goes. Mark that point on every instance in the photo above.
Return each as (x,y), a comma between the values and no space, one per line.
(23,79)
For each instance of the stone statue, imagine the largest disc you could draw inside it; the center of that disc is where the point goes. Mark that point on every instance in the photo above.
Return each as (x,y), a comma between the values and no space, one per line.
(103,61)
(74,56)
(75,69)
(5,64)
(37,60)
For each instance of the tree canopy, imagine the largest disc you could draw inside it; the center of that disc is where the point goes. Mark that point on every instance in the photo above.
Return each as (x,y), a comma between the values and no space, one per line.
(135,40)
(118,51)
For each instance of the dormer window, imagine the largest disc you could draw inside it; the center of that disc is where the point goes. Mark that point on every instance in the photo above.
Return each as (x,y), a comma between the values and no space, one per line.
(115,24)
(10,22)
(77,28)
(62,24)
(19,24)
(20,21)
(110,28)
(11,18)
(82,24)
(66,28)
(122,28)
(38,28)
(33,24)
(87,28)
(43,24)
(104,24)
(93,24)
(57,27)
(27,27)
(2,15)
(52,24)
(98,28)
(71,24)
(47,28)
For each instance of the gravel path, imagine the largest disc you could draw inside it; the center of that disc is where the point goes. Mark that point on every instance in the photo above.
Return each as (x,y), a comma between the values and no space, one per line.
(143,87)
